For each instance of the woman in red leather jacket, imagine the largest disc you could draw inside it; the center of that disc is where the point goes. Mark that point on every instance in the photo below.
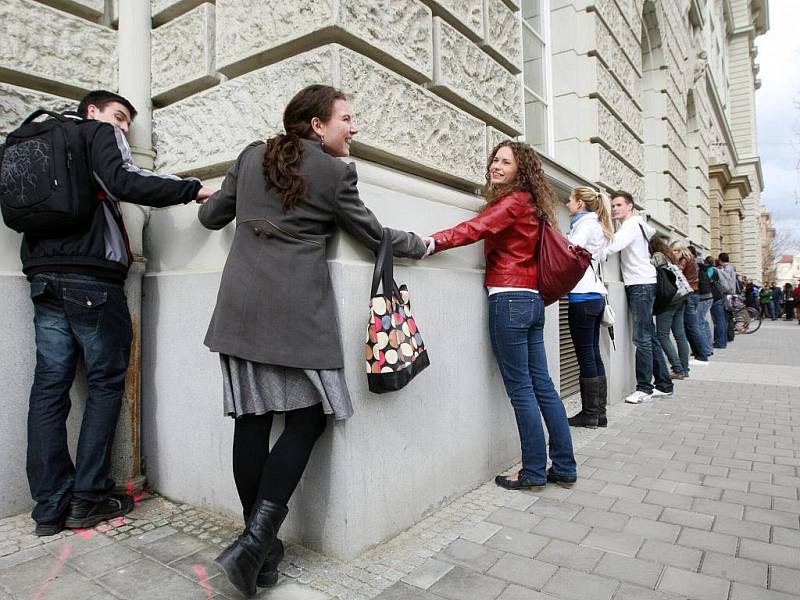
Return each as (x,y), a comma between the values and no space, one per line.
(518,197)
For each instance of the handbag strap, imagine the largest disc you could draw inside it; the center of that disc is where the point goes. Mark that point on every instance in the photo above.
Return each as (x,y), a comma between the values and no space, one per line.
(383,274)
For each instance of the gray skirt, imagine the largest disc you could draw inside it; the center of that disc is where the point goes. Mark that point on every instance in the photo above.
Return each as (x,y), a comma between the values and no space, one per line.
(251,388)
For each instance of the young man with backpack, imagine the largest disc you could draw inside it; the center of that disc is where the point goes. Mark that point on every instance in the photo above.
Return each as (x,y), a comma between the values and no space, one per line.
(718,314)
(639,277)
(62,182)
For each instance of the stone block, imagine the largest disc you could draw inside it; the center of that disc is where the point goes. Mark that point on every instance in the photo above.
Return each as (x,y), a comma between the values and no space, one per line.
(183,56)
(617,175)
(694,585)
(250,33)
(16,103)
(613,19)
(467,14)
(670,554)
(706,540)
(494,137)
(462,583)
(567,554)
(617,62)
(618,99)
(428,573)
(58,50)
(614,133)
(770,553)
(518,542)
(503,34)
(736,569)
(524,571)
(618,542)
(632,570)
(469,555)
(580,586)
(211,128)
(467,76)
(424,129)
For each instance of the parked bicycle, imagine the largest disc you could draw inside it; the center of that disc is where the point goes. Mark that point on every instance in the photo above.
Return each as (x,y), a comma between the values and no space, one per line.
(746,319)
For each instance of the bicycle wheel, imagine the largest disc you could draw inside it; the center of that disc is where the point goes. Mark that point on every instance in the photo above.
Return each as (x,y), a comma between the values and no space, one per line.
(741,320)
(754,322)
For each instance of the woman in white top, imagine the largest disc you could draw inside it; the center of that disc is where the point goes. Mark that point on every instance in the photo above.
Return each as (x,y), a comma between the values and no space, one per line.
(639,277)
(590,227)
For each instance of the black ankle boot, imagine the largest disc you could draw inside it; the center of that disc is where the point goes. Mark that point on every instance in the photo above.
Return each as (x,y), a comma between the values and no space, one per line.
(268,575)
(588,415)
(602,400)
(242,561)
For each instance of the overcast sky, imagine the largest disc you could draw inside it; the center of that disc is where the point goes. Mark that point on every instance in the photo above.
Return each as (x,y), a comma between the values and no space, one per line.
(778,115)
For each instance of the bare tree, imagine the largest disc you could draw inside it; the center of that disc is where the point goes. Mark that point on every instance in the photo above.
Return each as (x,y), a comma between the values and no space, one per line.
(784,242)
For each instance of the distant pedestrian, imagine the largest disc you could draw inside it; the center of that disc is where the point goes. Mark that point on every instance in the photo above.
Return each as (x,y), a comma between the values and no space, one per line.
(788,302)
(718,315)
(705,299)
(685,260)
(777,300)
(671,318)
(796,295)
(765,299)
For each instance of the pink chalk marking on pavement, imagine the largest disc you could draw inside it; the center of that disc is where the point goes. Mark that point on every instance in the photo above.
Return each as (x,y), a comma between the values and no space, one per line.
(51,577)
(203,575)
(136,497)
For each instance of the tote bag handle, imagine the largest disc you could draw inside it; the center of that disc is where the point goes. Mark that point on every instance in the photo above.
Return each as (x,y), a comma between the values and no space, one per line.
(383,274)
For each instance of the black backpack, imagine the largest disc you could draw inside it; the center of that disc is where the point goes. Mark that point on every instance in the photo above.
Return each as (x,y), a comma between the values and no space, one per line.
(717,293)
(666,284)
(46,189)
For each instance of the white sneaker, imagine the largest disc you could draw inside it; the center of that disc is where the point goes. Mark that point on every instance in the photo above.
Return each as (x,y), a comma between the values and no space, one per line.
(637,397)
(659,394)
(699,363)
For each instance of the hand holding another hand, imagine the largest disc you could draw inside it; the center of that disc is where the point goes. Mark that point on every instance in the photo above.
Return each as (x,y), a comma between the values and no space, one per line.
(204,194)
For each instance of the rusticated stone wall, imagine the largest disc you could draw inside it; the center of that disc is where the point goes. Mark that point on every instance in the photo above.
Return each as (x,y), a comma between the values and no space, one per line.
(623,78)
(427,77)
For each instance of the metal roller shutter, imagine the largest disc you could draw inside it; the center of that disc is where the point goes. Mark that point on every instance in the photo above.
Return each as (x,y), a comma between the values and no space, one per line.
(570,374)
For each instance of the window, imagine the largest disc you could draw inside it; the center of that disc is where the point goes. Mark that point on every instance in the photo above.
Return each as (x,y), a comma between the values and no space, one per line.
(536,74)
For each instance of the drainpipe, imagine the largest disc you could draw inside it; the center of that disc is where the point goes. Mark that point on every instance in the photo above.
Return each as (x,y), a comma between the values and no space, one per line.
(133,41)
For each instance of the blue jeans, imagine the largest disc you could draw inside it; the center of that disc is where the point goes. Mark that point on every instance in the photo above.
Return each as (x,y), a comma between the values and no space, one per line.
(650,363)
(720,318)
(584,329)
(694,332)
(776,309)
(672,319)
(516,327)
(703,309)
(74,315)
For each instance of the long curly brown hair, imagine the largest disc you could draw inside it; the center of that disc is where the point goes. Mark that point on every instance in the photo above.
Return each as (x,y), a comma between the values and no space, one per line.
(284,152)
(530,178)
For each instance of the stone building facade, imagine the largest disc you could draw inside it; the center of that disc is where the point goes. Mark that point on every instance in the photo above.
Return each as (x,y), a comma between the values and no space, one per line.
(652,96)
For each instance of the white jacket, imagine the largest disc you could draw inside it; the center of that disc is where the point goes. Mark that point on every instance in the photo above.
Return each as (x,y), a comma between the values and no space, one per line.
(635,255)
(587,232)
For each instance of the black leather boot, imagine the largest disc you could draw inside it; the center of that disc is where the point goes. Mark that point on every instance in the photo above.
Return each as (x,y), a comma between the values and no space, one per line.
(242,560)
(268,575)
(588,415)
(602,400)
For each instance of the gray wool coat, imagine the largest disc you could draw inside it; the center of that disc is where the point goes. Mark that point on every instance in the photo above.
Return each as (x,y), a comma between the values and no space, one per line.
(275,303)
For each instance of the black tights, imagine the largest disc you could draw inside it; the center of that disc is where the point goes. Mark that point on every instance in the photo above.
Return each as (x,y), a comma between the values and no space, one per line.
(261,474)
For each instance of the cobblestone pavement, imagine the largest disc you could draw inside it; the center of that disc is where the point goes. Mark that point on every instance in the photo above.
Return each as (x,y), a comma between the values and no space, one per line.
(693,496)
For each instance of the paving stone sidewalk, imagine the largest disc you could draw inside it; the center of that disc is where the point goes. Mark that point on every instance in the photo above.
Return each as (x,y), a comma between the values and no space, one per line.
(694,496)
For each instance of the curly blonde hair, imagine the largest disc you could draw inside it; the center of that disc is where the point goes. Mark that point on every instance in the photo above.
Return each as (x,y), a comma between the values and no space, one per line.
(530,178)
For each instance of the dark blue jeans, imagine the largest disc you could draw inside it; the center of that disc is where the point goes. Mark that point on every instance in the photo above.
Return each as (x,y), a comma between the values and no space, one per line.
(720,318)
(693,327)
(650,363)
(74,315)
(703,311)
(516,327)
(672,320)
(584,329)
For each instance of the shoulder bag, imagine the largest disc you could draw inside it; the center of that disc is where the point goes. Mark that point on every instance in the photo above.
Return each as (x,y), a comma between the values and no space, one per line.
(561,263)
(395,352)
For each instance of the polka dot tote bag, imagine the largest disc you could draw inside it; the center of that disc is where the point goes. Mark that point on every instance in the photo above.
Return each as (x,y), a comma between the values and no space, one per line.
(394,350)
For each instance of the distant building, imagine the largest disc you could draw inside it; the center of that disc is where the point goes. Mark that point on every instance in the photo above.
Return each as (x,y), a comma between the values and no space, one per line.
(787,269)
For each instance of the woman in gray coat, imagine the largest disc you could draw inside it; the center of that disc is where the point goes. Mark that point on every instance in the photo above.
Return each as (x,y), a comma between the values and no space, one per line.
(274,324)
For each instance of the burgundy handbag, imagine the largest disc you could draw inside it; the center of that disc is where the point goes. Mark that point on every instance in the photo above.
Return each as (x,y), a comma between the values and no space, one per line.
(561,263)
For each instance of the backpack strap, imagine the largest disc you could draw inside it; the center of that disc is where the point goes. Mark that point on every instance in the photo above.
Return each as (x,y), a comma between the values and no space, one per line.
(42,111)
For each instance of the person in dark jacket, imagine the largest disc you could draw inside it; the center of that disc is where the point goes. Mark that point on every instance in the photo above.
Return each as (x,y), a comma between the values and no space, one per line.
(274,324)
(518,201)
(79,306)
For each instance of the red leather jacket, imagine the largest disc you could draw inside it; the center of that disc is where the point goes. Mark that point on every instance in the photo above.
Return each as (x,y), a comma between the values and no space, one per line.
(510,230)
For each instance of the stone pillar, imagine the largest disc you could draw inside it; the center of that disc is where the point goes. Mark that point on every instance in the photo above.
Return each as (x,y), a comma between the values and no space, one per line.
(134,84)
(719,176)
(733,243)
